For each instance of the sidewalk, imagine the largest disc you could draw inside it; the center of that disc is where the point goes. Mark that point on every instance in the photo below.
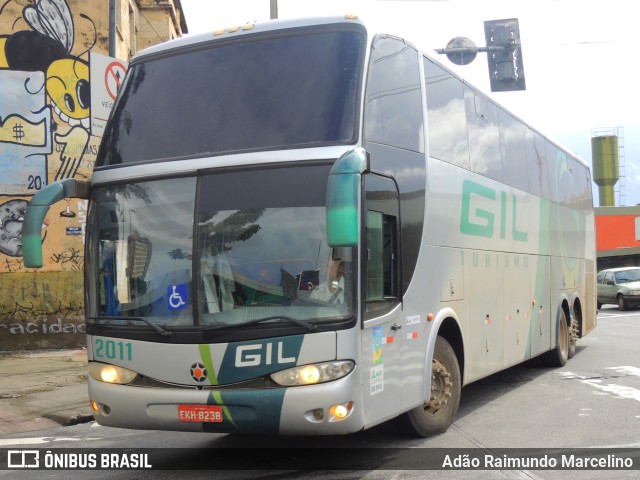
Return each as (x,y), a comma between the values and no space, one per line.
(41,390)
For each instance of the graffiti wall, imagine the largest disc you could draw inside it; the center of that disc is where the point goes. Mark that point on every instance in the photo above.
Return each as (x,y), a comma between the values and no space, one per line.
(45,135)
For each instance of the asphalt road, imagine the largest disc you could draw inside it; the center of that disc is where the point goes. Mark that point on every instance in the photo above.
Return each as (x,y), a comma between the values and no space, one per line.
(592,402)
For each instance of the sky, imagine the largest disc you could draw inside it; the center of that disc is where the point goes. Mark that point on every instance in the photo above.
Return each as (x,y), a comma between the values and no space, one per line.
(580,58)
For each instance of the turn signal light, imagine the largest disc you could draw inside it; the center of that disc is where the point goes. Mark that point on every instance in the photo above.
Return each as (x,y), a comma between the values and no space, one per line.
(340,411)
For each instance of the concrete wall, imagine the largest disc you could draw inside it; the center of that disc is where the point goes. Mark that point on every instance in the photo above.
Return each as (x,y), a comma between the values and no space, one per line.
(161,21)
(45,136)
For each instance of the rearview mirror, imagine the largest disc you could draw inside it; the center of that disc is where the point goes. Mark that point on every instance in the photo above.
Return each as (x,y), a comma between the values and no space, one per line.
(343,199)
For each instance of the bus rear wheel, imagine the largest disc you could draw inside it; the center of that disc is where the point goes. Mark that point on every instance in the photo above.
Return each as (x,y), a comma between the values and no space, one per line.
(573,336)
(436,415)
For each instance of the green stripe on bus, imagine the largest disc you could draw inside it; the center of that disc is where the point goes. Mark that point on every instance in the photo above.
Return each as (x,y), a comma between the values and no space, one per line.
(207,360)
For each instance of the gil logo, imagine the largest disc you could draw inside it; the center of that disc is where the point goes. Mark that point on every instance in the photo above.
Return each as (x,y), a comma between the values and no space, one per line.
(198,372)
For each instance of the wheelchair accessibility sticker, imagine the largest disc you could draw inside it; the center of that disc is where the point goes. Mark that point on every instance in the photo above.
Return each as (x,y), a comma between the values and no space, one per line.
(177,296)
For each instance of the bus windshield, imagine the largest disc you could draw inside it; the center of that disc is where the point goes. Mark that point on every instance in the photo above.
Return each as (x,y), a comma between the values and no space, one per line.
(291,91)
(259,252)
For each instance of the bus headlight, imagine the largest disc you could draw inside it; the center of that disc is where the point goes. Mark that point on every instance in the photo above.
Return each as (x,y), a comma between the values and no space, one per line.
(313,373)
(104,372)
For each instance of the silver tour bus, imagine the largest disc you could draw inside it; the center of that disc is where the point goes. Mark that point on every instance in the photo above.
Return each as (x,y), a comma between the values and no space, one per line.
(309,228)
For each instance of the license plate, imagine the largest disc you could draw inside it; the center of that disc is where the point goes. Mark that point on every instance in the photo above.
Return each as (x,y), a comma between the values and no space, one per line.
(200,413)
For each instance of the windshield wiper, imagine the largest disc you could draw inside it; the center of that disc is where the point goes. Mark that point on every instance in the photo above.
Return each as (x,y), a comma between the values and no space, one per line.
(301,323)
(155,326)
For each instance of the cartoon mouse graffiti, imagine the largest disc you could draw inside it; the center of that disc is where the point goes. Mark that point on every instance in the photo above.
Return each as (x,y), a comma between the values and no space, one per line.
(47,48)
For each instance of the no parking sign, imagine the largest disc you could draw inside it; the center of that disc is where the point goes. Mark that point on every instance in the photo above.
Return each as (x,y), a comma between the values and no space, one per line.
(113,77)
(106,75)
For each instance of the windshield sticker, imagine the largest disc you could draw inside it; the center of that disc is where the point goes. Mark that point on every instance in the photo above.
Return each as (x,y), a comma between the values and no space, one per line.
(177,296)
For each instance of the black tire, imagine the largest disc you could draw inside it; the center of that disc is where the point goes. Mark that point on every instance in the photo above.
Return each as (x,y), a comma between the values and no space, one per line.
(558,356)
(438,414)
(598,305)
(622,303)
(573,337)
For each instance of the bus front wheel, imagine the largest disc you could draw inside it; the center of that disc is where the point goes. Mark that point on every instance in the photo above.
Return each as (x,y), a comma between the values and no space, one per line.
(436,415)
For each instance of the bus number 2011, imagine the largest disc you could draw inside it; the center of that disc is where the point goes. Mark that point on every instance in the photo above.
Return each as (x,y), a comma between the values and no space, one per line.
(113,350)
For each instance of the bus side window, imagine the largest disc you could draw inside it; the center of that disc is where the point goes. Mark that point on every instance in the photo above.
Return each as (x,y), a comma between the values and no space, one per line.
(382,261)
(446,116)
(393,110)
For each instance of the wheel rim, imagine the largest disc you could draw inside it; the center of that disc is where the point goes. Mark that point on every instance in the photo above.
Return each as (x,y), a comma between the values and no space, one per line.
(620,302)
(573,335)
(441,388)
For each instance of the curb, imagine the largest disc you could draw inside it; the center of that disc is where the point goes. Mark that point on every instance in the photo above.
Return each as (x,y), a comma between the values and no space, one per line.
(69,420)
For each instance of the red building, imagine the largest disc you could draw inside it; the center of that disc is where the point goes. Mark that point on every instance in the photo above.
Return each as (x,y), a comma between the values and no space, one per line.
(617,236)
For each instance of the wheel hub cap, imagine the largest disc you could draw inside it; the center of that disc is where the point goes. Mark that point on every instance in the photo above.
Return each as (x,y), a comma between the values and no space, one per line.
(440,387)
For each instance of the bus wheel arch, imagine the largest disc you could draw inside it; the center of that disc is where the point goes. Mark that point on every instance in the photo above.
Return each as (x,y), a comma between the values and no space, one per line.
(450,331)
(440,407)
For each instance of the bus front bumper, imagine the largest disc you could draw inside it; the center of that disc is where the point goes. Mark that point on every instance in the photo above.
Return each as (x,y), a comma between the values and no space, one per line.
(330,408)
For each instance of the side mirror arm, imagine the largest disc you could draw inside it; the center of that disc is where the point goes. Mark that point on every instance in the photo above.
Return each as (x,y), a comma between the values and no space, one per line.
(37,211)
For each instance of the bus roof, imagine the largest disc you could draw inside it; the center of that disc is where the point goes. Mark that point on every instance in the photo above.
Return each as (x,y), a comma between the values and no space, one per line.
(247,29)
(285,24)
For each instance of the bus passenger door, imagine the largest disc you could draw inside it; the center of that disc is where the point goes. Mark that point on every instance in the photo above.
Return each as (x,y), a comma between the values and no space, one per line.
(382,316)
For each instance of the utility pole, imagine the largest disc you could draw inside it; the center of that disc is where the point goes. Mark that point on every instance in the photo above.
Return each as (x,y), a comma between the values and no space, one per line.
(274,9)
(112,28)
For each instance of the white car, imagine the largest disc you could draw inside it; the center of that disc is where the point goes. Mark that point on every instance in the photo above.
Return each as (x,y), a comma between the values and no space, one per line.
(619,286)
